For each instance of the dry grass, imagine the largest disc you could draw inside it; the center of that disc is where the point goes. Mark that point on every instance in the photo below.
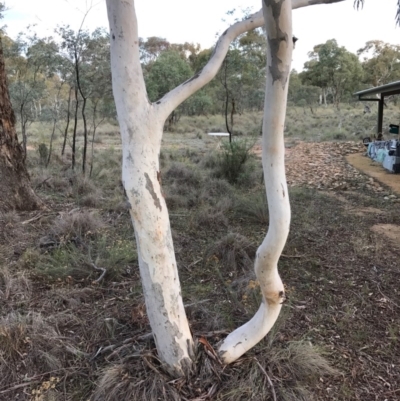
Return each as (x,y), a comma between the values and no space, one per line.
(211,218)
(281,373)
(254,208)
(28,344)
(77,225)
(10,227)
(234,252)
(56,316)
(14,286)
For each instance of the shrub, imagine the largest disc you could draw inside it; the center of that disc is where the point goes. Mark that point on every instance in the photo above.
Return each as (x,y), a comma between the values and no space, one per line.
(43,153)
(232,159)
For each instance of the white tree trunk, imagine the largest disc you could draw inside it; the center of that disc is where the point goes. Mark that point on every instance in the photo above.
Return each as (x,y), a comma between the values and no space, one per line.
(141,126)
(278,20)
(141,131)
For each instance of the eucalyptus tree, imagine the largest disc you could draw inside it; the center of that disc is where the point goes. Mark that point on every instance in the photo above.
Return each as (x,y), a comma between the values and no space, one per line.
(30,63)
(300,94)
(381,63)
(141,125)
(334,69)
(151,48)
(87,59)
(167,72)
(242,76)
(15,189)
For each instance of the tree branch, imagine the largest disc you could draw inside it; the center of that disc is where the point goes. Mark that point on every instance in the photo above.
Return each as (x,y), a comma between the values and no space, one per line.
(167,104)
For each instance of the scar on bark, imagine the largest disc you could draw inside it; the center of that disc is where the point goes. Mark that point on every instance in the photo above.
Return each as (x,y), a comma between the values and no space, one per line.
(150,188)
(283,190)
(282,296)
(193,78)
(279,71)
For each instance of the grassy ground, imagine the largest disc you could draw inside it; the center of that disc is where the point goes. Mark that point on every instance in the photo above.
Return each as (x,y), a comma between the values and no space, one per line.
(69,333)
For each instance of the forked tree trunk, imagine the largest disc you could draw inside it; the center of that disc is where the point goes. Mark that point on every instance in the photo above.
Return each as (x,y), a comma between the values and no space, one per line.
(141,126)
(15,189)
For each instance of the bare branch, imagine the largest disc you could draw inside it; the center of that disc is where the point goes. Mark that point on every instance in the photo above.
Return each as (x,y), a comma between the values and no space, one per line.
(104,271)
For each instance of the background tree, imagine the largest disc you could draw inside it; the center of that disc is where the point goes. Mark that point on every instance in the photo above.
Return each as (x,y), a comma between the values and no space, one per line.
(381,62)
(302,94)
(86,65)
(15,188)
(32,59)
(333,69)
(242,76)
(167,72)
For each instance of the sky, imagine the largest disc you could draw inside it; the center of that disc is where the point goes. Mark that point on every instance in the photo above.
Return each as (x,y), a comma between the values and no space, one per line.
(192,21)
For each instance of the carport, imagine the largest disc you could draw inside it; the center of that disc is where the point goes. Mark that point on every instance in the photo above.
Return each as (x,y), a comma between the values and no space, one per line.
(380,93)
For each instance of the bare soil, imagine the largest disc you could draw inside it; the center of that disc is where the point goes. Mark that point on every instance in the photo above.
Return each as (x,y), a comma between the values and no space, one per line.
(62,331)
(375,170)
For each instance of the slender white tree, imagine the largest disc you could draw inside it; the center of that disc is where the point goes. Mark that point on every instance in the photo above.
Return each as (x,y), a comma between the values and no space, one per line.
(141,125)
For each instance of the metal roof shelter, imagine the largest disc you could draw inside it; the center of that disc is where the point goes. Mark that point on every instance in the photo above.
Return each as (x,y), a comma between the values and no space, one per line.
(385,90)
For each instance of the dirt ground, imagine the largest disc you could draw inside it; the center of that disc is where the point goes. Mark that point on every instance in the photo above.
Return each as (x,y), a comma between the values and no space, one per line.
(375,170)
(62,330)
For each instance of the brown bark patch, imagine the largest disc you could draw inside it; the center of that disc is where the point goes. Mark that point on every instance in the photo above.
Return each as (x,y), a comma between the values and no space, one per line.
(150,188)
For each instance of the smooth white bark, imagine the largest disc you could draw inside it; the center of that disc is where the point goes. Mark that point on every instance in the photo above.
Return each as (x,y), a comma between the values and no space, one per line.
(278,19)
(141,131)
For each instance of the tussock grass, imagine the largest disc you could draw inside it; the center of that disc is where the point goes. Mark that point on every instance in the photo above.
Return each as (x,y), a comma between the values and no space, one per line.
(210,218)
(64,262)
(182,174)
(214,189)
(280,372)
(175,201)
(254,208)
(14,286)
(28,343)
(77,225)
(234,252)
(10,227)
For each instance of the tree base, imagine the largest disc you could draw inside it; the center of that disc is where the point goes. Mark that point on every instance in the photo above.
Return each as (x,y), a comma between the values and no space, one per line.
(16,192)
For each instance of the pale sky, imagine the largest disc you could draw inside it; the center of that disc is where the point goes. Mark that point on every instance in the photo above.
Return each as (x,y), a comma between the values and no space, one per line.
(198,21)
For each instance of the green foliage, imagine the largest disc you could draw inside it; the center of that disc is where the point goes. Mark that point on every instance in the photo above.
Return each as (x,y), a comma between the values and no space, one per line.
(43,153)
(333,69)
(233,158)
(301,94)
(381,63)
(167,72)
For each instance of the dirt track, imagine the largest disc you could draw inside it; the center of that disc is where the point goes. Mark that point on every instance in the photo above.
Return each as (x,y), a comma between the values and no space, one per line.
(336,166)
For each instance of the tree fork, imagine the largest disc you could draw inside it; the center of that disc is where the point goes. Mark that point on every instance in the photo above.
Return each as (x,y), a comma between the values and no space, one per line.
(141,124)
